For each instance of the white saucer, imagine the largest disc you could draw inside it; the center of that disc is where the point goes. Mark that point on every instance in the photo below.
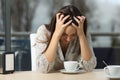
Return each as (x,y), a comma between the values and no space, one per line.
(113,77)
(70,72)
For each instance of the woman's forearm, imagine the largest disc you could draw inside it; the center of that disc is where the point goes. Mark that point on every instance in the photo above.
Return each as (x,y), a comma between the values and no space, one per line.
(50,53)
(85,49)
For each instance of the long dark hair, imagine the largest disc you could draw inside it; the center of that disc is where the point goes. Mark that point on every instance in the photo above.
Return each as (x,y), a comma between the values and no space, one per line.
(66,10)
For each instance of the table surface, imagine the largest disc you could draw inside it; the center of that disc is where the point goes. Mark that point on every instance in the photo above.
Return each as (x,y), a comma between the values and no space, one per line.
(97,74)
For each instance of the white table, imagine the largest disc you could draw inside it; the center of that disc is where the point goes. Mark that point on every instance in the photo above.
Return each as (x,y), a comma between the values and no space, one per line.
(97,74)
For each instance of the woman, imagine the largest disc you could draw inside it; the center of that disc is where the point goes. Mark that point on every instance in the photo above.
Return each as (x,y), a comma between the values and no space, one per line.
(65,39)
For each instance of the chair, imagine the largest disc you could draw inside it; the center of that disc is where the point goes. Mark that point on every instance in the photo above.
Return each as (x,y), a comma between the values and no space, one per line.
(33,52)
(105,54)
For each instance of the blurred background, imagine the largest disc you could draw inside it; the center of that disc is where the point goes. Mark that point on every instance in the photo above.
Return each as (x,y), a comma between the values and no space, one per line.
(23,17)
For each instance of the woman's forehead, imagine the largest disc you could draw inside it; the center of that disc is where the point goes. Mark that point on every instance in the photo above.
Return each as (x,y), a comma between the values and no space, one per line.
(70,30)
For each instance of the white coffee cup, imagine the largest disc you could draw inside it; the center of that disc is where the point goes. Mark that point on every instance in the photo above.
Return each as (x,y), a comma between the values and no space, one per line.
(112,70)
(71,65)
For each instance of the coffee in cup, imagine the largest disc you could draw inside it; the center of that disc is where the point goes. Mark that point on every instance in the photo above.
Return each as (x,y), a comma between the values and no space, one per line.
(71,65)
(112,70)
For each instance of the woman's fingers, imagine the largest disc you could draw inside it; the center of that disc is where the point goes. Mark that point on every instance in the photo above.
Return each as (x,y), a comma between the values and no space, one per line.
(58,16)
(69,22)
(61,17)
(65,18)
(82,18)
(74,26)
(77,20)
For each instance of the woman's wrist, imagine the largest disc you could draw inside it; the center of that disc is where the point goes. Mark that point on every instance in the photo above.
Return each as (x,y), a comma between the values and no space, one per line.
(56,35)
(81,34)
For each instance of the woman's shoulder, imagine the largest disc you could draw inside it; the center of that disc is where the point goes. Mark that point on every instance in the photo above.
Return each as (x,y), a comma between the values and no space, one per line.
(42,32)
(42,28)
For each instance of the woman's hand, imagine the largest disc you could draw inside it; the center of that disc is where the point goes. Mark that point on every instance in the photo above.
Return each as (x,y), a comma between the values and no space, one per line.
(60,26)
(80,28)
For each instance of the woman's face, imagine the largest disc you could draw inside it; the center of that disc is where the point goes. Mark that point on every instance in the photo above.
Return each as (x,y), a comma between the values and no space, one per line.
(69,34)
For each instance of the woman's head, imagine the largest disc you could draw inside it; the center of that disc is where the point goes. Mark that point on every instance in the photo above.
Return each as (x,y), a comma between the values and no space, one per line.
(67,10)
(72,11)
